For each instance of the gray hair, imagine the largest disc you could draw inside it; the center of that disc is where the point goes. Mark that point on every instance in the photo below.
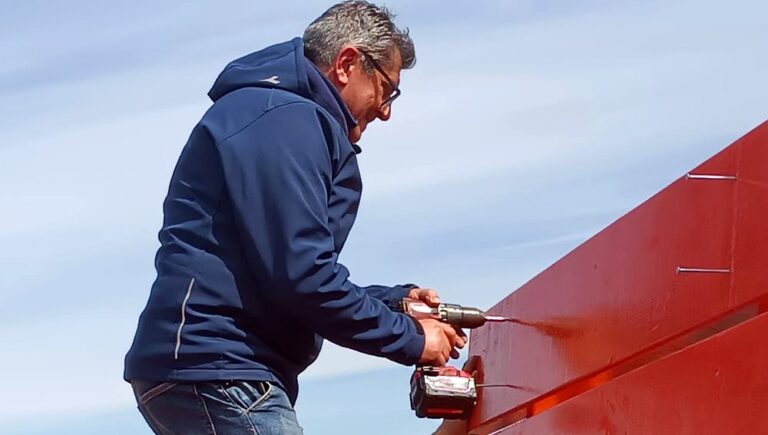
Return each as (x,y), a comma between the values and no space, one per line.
(362,25)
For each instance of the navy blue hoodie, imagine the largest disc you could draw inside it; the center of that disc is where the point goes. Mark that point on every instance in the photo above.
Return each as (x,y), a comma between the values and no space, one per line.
(259,206)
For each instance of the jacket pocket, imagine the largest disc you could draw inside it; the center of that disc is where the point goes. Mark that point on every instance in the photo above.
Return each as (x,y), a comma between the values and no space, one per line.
(246,395)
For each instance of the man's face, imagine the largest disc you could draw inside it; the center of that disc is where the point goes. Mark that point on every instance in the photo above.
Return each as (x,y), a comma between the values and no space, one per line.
(364,93)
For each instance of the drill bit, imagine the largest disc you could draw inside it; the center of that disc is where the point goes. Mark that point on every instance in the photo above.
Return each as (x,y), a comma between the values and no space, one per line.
(489,318)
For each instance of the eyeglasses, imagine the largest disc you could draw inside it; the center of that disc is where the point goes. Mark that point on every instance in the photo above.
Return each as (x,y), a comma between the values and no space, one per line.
(395,90)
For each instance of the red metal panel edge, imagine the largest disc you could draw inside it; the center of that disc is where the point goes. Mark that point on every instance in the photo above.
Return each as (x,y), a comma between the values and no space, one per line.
(750,258)
(618,293)
(715,387)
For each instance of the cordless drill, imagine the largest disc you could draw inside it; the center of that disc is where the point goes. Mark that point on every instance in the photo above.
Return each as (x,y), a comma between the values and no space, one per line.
(455,315)
(445,392)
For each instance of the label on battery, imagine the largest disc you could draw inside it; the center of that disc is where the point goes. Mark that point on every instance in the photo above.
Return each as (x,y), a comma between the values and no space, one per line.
(449,385)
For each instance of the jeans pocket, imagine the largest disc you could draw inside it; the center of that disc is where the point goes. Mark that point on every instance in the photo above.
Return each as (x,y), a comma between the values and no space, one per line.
(146,391)
(246,396)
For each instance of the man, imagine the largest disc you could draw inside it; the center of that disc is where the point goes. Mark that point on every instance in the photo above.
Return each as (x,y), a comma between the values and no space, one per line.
(259,206)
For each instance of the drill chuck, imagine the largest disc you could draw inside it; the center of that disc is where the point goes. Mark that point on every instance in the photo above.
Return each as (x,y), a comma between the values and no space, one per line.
(461,317)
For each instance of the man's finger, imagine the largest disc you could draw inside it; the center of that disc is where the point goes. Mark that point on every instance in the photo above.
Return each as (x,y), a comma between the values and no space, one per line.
(429,296)
(456,336)
(450,333)
(462,337)
(441,360)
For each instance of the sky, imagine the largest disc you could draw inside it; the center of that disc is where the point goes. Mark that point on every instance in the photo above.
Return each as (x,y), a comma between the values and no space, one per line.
(525,128)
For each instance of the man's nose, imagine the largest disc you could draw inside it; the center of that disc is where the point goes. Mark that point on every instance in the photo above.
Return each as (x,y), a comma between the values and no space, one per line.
(385,112)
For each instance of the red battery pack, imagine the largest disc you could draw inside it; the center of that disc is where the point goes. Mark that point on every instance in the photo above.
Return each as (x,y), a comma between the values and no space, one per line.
(442,392)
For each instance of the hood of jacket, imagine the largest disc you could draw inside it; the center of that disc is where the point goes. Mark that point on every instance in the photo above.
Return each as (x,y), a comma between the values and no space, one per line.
(283,66)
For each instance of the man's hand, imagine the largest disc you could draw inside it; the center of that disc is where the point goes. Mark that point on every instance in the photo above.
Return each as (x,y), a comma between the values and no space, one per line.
(426,295)
(456,337)
(439,343)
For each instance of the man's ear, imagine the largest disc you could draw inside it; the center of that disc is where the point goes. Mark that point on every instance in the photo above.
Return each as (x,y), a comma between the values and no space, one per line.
(345,64)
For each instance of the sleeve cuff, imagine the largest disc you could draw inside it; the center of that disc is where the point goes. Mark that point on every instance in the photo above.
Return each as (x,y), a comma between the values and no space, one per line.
(415,347)
(400,291)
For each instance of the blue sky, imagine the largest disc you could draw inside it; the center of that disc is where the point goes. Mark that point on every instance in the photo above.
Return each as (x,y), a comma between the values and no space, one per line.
(526,127)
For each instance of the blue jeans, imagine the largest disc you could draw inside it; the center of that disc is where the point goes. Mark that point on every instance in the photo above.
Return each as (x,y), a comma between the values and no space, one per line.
(216,408)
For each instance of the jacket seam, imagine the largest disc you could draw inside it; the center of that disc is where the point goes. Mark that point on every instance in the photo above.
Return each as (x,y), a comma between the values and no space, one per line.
(222,192)
(261,115)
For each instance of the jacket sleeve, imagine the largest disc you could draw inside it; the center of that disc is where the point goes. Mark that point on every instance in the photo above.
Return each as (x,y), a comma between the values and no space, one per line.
(390,296)
(278,172)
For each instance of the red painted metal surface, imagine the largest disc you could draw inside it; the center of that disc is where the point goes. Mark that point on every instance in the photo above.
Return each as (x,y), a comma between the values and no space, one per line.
(715,387)
(690,261)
